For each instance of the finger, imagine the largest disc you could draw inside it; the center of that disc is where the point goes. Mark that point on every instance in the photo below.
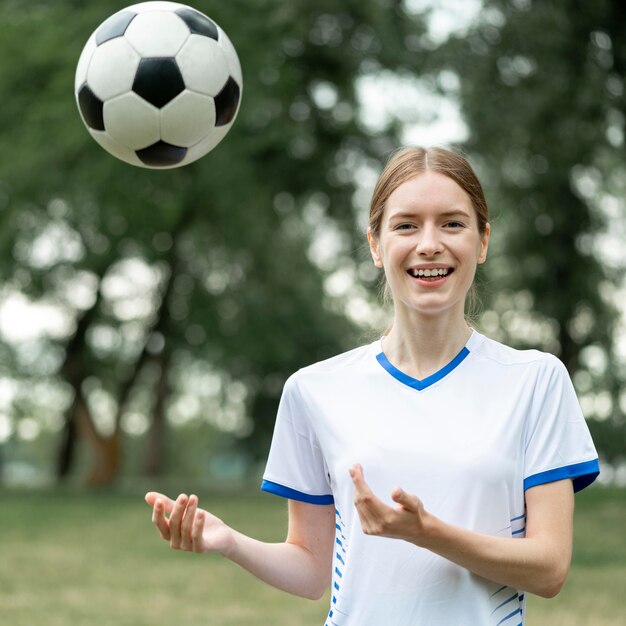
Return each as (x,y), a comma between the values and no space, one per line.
(175,520)
(187,523)
(407,501)
(370,508)
(356,471)
(362,491)
(358,478)
(367,503)
(197,542)
(152,496)
(401,497)
(160,521)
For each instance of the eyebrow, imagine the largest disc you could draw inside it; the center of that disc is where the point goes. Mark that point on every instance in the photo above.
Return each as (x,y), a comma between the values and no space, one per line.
(450,213)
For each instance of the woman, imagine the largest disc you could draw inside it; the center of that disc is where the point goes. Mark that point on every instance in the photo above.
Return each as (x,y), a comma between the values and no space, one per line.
(488,443)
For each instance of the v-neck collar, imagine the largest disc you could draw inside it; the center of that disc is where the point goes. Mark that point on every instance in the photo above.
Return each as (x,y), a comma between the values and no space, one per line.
(420,385)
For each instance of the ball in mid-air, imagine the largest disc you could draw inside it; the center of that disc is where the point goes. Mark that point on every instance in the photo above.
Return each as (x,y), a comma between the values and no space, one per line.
(158,84)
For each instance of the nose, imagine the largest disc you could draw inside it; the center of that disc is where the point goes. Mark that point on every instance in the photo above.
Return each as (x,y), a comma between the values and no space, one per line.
(429,241)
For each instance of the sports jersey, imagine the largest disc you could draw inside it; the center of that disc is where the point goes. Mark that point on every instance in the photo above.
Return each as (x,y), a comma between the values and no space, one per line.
(468,441)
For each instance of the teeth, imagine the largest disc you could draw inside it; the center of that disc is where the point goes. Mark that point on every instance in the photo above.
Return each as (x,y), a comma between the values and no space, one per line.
(428,273)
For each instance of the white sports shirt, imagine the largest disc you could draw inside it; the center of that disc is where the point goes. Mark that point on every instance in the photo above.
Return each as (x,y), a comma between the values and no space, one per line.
(468,441)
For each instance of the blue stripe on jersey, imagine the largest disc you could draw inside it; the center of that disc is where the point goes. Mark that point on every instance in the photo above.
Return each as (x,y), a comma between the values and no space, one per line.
(509,616)
(429,380)
(583,474)
(495,593)
(293,494)
(515,596)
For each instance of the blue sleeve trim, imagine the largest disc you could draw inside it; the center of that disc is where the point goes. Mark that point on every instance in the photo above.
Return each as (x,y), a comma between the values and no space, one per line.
(293,494)
(582,475)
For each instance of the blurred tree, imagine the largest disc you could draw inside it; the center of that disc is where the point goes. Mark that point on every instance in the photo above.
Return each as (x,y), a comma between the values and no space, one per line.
(200,276)
(541,87)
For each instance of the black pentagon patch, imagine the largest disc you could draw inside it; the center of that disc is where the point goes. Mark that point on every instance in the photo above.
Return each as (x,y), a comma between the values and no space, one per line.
(226,103)
(158,80)
(91,107)
(114,27)
(161,154)
(198,23)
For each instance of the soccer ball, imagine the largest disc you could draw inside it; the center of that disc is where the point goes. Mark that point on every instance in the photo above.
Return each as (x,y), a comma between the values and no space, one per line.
(158,84)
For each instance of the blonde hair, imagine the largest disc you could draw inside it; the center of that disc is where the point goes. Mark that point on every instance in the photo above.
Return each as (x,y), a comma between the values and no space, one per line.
(406,163)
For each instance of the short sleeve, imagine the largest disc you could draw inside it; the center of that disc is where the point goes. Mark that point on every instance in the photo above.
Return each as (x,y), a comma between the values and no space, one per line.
(558,443)
(295,467)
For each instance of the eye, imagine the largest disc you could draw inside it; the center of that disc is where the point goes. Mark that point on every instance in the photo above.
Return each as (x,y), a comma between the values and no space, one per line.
(454,225)
(404,226)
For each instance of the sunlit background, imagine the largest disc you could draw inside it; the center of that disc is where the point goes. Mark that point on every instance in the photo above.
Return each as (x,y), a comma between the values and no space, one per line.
(148,320)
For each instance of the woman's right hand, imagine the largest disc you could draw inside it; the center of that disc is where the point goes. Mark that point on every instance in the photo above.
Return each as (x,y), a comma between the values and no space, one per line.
(187,527)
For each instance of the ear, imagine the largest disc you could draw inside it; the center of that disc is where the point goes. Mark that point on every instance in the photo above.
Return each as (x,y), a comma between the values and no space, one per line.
(484,244)
(372,239)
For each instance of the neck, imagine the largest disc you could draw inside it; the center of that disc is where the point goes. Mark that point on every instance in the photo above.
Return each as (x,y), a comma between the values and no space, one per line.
(422,347)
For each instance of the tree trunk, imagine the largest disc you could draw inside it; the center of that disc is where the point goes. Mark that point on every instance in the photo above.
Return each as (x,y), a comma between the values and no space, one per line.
(73,372)
(155,454)
(67,449)
(106,462)
(569,353)
(108,449)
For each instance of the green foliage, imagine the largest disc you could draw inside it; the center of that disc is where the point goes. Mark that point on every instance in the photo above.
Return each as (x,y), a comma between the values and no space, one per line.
(230,302)
(224,239)
(541,87)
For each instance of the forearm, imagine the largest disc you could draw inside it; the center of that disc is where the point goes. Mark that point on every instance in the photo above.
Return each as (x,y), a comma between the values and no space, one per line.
(286,566)
(531,564)
(300,565)
(538,563)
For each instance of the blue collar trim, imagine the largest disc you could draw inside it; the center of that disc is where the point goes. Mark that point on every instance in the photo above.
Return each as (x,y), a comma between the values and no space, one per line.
(426,382)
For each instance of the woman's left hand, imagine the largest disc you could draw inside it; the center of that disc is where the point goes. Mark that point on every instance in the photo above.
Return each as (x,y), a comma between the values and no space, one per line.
(405,521)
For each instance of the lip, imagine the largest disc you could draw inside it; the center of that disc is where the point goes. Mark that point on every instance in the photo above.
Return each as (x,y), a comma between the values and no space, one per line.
(429,283)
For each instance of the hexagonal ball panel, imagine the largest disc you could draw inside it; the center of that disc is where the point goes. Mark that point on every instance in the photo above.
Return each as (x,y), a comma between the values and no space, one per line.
(115,26)
(162,154)
(207,144)
(112,68)
(91,108)
(131,121)
(115,148)
(154,5)
(187,119)
(83,62)
(198,23)
(158,81)
(226,103)
(231,56)
(157,34)
(203,65)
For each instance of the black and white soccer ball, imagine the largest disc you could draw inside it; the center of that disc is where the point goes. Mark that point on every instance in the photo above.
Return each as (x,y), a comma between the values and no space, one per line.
(158,84)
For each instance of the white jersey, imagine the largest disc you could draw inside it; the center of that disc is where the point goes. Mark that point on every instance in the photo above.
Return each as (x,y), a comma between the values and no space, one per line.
(468,441)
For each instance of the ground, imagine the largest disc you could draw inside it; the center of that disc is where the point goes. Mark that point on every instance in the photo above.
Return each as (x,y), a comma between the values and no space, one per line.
(77,558)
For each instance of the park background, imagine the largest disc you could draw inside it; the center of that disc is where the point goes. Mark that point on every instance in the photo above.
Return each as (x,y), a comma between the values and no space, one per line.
(148,319)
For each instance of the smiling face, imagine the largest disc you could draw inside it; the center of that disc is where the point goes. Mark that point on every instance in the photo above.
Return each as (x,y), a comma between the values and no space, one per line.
(429,244)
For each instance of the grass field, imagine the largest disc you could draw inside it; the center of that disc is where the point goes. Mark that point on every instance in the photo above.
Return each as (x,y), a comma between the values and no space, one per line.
(79,558)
